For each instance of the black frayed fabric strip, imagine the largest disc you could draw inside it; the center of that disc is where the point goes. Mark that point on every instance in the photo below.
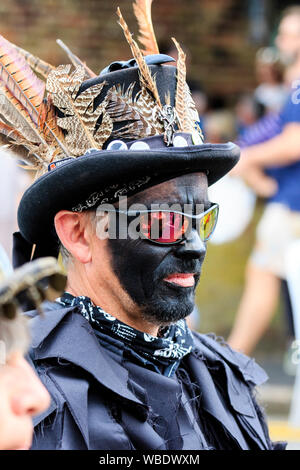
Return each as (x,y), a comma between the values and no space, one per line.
(216,435)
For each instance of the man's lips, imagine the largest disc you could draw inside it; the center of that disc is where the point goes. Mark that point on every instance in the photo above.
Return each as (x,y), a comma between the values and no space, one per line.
(181,279)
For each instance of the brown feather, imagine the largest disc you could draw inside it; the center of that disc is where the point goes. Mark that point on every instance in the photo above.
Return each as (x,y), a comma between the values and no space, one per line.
(149,109)
(132,130)
(184,103)
(75,60)
(3,140)
(25,91)
(142,11)
(17,116)
(38,65)
(15,142)
(180,103)
(168,98)
(29,156)
(146,78)
(48,122)
(139,111)
(191,107)
(80,119)
(120,105)
(18,77)
(9,132)
(104,131)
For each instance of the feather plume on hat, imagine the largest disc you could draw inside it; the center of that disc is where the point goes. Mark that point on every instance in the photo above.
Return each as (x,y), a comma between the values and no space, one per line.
(29,124)
(44,118)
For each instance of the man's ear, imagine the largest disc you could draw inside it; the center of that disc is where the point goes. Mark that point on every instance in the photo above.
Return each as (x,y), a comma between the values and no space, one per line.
(71,229)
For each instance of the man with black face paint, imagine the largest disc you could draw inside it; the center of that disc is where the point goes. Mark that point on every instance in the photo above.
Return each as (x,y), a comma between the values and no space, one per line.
(161,280)
(123,369)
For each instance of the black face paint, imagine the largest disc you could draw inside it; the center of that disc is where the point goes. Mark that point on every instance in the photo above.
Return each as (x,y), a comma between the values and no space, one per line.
(141,265)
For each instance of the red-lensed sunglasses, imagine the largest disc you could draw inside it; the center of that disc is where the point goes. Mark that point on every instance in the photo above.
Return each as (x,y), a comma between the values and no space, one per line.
(167,227)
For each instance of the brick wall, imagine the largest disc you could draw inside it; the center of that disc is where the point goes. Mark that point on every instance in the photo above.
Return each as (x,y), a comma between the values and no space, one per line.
(215,32)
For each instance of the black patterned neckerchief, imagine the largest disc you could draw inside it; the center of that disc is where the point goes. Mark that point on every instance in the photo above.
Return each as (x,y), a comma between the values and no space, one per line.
(161,352)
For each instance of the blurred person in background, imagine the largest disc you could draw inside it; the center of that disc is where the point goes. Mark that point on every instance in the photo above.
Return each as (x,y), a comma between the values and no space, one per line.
(271,92)
(200,98)
(13,182)
(219,126)
(270,164)
(268,97)
(22,395)
(247,112)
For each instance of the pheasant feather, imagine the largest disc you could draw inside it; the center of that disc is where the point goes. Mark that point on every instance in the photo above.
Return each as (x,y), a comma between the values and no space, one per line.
(138,111)
(75,60)
(18,77)
(184,103)
(142,11)
(46,131)
(146,78)
(104,131)
(23,90)
(9,132)
(81,118)
(192,112)
(18,116)
(48,123)
(38,65)
(14,141)
(180,100)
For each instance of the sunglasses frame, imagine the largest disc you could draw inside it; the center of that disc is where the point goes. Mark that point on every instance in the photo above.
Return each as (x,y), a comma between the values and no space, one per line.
(137,213)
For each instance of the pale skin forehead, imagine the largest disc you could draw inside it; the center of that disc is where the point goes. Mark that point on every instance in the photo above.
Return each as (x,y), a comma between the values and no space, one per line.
(290,25)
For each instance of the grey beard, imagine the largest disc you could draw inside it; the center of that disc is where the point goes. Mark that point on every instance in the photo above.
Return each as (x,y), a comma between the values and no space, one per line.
(163,312)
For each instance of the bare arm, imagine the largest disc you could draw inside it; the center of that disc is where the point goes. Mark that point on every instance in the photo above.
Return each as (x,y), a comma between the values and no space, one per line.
(280,150)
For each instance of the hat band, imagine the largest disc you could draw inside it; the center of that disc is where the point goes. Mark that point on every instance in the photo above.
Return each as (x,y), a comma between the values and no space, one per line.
(111,193)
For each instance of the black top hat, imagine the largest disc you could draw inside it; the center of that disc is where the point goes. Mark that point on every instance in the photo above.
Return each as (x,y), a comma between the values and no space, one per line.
(133,126)
(125,165)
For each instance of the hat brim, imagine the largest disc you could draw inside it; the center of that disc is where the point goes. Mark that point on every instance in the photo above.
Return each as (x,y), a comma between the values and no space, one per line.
(71,183)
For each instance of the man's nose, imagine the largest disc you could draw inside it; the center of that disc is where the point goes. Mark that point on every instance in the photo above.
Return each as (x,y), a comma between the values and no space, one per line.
(192,247)
(33,397)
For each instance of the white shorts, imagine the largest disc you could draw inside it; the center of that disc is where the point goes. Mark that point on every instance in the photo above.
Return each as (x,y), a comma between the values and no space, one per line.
(277,227)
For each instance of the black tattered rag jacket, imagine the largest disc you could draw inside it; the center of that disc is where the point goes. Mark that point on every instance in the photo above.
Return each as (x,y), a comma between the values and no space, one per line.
(102,400)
